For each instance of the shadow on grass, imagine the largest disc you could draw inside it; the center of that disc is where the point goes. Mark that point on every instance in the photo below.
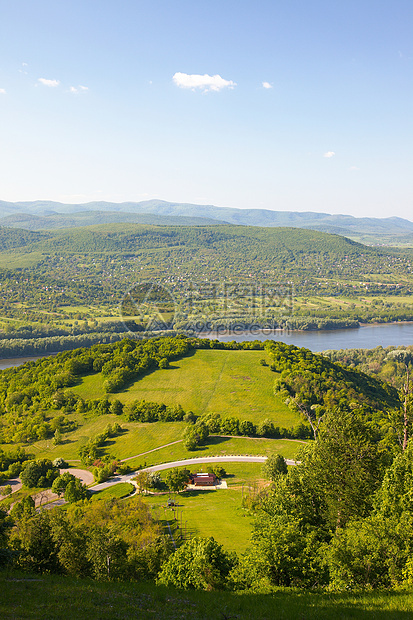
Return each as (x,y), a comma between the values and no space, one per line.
(150,371)
(122,431)
(215,441)
(197,492)
(69,598)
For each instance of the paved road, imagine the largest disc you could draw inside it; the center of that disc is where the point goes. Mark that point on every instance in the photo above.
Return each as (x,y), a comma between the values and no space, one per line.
(85,476)
(227,436)
(183,463)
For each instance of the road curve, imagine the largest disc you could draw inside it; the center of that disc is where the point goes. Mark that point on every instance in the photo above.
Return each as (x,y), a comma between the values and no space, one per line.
(183,463)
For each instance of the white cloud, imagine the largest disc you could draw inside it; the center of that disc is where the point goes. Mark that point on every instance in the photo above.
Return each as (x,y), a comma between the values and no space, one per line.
(2,91)
(329,154)
(266,85)
(203,82)
(354,168)
(49,83)
(78,89)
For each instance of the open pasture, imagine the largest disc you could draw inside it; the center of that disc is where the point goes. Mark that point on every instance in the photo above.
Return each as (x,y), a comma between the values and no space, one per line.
(231,383)
(213,513)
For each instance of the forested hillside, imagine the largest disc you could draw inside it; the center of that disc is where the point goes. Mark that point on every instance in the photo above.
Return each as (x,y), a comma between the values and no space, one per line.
(34,395)
(72,281)
(47,214)
(340,519)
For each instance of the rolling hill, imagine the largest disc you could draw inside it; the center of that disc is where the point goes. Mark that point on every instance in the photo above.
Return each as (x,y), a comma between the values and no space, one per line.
(29,221)
(51,215)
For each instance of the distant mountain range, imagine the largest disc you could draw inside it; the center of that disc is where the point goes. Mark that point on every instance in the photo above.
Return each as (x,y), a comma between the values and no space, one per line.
(46,215)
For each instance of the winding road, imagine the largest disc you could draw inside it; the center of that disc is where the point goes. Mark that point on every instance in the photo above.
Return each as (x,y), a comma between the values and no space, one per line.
(87,478)
(194,461)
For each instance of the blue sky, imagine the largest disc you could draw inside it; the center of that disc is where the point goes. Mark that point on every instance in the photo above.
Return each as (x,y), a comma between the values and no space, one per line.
(302,105)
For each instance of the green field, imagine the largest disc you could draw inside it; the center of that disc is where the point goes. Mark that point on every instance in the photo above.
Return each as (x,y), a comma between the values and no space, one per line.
(34,597)
(231,383)
(123,489)
(140,438)
(213,513)
(220,446)
(137,438)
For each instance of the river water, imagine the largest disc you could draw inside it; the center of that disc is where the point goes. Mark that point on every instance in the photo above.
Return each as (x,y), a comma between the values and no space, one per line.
(18,361)
(365,337)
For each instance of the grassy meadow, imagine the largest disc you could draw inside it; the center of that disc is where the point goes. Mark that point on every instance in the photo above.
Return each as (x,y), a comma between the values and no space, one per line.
(35,597)
(148,439)
(137,438)
(213,513)
(231,383)
(220,446)
(116,491)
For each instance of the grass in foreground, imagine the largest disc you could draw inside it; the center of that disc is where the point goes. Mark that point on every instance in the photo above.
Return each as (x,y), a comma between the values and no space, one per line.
(35,597)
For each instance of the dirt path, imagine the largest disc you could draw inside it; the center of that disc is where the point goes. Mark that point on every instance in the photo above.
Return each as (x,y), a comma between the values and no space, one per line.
(153,450)
(46,496)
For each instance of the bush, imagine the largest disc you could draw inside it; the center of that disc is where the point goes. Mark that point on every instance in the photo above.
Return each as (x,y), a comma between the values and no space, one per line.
(60,463)
(39,473)
(217,470)
(274,466)
(199,564)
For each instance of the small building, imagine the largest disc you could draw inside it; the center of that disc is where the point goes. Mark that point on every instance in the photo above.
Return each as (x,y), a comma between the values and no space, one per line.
(203,480)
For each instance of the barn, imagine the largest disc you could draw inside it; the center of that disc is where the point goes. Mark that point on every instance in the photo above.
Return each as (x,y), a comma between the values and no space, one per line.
(203,480)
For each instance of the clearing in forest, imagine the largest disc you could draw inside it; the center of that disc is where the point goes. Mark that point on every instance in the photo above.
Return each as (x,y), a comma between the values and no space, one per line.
(231,383)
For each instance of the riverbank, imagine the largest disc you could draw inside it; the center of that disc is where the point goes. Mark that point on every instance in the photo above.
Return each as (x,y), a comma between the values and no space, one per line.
(367,336)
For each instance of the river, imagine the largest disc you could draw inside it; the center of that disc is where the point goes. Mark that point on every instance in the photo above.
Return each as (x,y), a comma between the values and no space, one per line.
(365,337)
(18,361)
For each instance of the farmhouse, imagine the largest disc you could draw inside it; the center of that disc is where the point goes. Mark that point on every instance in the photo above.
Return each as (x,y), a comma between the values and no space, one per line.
(203,480)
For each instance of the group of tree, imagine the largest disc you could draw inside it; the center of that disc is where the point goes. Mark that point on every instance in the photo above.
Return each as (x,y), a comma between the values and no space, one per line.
(312,385)
(92,450)
(230,425)
(393,365)
(146,411)
(12,461)
(71,487)
(195,434)
(104,540)
(39,473)
(341,519)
